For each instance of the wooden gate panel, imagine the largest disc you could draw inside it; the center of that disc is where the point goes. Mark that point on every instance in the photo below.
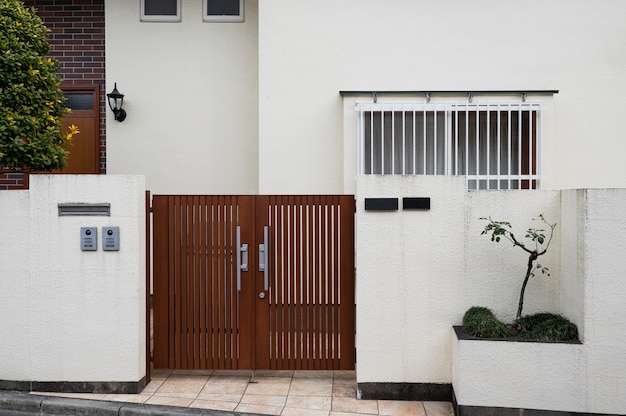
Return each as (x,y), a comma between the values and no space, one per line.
(305,320)
(312,275)
(201,320)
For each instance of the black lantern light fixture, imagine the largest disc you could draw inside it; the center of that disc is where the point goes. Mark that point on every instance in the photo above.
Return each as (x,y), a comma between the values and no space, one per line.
(116,99)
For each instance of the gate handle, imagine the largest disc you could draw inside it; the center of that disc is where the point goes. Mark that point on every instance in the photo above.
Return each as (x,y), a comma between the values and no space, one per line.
(264,258)
(242,251)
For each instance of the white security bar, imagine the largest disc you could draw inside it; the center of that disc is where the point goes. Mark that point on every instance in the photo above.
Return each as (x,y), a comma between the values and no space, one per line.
(495,145)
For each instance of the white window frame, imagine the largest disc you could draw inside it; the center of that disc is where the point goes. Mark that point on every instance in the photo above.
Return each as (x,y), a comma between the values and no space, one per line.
(450,141)
(160,18)
(222,19)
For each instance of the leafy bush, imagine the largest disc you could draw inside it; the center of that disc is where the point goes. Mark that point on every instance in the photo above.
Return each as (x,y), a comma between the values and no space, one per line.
(480,322)
(31,102)
(547,327)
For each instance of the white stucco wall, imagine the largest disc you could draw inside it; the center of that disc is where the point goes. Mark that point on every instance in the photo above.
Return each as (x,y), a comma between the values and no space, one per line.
(309,51)
(254,107)
(585,378)
(72,315)
(419,271)
(191,98)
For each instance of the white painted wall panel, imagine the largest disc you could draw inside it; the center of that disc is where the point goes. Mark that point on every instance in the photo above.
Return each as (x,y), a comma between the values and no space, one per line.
(419,271)
(73,315)
(191,98)
(309,51)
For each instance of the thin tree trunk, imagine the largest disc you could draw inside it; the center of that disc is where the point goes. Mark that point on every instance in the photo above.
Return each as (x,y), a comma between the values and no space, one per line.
(531,259)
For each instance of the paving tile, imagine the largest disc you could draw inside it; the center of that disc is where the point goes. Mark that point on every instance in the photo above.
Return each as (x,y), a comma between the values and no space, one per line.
(225,385)
(264,399)
(349,404)
(233,373)
(344,388)
(169,401)
(273,373)
(313,374)
(311,387)
(275,386)
(181,395)
(128,398)
(183,384)
(153,386)
(305,412)
(309,402)
(218,397)
(439,409)
(194,372)
(259,408)
(342,374)
(214,405)
(400,408)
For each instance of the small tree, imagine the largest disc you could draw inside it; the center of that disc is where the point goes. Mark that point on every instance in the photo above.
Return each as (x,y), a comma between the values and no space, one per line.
(31,102)
(538,246)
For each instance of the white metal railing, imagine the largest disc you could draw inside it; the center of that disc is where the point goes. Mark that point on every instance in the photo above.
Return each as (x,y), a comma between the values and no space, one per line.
(496,145)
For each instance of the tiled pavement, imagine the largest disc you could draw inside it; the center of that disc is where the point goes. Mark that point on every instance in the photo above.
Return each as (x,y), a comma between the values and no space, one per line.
(287,393)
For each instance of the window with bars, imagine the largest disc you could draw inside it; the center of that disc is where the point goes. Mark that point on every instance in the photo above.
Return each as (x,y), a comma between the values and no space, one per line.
(223,10)
(495,145)
(160,10)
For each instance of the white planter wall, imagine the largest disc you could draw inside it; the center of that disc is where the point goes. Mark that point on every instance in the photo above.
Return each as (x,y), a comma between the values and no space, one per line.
(72,315)
(578,378)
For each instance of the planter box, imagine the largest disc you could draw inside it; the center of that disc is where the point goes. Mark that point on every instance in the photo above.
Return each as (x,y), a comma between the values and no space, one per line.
(505,376)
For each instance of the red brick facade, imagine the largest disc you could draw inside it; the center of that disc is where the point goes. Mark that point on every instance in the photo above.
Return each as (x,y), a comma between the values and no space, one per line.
(77,40)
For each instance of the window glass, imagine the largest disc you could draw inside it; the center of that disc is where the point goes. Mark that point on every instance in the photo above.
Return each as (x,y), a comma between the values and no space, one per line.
(83,101)
(223,10)
(160,10)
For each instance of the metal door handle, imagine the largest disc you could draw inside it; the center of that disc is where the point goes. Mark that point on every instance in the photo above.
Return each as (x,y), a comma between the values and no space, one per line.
(242,257)
(264,258)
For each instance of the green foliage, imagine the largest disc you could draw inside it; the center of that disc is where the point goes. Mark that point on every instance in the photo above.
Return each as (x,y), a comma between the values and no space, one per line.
(547,327)
(480,322)
(538,246)
(31,102)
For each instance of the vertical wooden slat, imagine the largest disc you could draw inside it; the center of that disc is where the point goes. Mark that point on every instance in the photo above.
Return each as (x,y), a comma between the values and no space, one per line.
(280,277)
(324,284)
(148,270)
(228,283)
(336,305)
(221,247)
(196,226)
(347,320)
(263,308)
(162,335)
(203,280)
(310,301)
(297,290)
(293,325)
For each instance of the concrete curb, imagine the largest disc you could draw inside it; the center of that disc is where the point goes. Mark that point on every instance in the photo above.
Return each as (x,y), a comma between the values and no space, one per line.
(25,404)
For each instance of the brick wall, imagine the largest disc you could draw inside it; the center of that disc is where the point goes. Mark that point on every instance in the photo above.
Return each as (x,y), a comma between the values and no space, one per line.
(77,42)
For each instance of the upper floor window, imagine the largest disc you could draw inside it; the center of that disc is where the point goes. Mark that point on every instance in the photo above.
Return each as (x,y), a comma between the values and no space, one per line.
(160,10)
(494,145)
(223,10)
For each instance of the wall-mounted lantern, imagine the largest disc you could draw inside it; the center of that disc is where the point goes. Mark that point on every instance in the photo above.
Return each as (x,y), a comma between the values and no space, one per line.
(116,99)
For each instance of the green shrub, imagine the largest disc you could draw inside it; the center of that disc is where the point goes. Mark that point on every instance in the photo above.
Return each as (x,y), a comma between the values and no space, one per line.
(480,322)
(31,102)
(547,327)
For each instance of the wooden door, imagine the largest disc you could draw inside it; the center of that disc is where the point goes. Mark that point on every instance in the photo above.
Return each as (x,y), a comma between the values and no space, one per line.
(85,147)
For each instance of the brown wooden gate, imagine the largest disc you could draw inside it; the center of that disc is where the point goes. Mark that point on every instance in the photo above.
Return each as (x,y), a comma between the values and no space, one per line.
(253,282)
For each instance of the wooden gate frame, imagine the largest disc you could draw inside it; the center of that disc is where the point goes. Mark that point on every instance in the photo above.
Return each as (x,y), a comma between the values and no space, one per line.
(300,325)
